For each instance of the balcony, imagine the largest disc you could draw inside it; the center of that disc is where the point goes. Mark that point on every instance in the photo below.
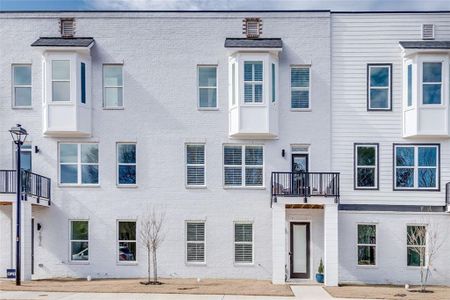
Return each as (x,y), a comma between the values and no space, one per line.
(33,185)
(305,185)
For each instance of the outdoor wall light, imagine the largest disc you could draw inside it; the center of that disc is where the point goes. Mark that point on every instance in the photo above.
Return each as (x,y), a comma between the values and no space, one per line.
(36,149)
(283,152)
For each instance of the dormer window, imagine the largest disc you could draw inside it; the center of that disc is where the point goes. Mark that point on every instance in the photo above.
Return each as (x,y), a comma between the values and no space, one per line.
(252,27)
(67,27)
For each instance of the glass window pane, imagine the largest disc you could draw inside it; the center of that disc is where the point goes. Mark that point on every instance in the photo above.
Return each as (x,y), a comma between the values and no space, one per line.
(404,156)
(83,83)
(379,76)
(243,232)
(379,98)
(414,257)
(207,76)
(61,70)
(366,177)
(22,75)
(258,93)
(258,71)
(195,232)
(61,91)
(300,77)
(208,97)
(366,255)
(126,153)
(248,92)
(243,253)
(432,93)
(80,251)
(404,177)
(253,176)
(112,75)
(127,231)
(25,159)
(427,156)
(416,235)
(273,83)
(409,85)
(367,234)
(69,174)
(127,174)
(89,174)
(248,71)
(253,155)
(195,252)
(195,175)
(232,155)
(22,96)
(89,153)
(432,72)
(195,154)
(299,99)
(366,156)
(113,97)
(427,177)
(233,176)
(127,251)
(68,153)
(80,230)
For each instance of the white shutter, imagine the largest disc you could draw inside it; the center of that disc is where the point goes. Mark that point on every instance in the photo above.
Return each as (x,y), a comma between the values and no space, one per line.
(243,243)
(195,242)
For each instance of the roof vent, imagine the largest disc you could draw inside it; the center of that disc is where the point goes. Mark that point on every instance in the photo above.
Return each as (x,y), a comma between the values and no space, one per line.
(252,27)
(427,31)
(67,27)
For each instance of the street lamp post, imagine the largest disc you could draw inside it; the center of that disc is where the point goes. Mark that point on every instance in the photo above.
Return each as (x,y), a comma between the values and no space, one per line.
(19,136)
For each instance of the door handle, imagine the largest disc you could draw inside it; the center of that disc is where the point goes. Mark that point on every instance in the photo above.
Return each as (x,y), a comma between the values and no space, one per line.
(290,253)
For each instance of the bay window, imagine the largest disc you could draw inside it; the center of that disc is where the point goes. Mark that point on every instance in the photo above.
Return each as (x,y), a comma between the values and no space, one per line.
(432,83)
(61,80)
(253,82)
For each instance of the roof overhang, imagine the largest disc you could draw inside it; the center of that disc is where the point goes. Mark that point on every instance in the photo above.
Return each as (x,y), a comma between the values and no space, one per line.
(254,45)
(64,44)
(414,47)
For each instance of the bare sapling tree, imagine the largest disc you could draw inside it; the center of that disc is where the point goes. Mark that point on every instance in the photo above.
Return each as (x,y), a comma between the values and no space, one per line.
(151,236)
(425,241)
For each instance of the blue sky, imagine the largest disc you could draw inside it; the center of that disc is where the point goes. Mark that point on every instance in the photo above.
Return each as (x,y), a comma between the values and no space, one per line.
(358,5)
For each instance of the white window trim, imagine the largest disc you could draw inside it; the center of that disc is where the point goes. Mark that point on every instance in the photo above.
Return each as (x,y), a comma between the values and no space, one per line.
(61,80)
(375,167)
(388,87)
(291,88)
(126,262)
(79,262)
(370,245)
(14,85)
(78,164)
(425,246)
(243,165)
(252,263)
(194,186)
(202,263)
(441,83)
(416,167)
(113,86)
(207,87)
(126,164)
(253,83)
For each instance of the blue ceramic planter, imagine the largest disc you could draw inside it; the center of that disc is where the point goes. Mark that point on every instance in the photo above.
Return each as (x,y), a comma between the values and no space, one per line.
(320,278)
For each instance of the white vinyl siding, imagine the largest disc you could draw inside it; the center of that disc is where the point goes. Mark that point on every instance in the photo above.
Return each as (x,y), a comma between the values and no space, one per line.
(300,87)
(195,242)
(21,89)
(243,165)
(195,165)
(243,243)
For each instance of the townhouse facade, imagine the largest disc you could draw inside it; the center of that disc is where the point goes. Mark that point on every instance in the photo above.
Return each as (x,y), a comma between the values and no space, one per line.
(269,140)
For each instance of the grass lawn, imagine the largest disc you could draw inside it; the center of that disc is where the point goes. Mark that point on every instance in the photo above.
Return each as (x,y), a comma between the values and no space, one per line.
(169,286)
(388,292)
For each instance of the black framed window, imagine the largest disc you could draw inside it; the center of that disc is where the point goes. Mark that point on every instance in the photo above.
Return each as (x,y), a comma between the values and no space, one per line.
(379,87)
(366,166)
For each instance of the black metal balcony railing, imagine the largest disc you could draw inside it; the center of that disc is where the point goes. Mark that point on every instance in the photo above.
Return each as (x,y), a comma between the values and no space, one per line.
(32,184)
(305,184)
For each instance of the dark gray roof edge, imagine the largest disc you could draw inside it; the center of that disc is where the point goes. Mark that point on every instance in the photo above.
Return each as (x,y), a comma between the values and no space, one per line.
(253,43)
(394,208)
(43,42)
(228,11)
(425,44)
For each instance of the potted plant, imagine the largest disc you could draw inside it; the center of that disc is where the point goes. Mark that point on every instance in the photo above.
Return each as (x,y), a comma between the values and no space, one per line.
(319,275)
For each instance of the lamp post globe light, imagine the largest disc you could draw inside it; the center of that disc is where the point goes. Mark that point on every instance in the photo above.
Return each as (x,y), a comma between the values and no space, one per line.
(19,136)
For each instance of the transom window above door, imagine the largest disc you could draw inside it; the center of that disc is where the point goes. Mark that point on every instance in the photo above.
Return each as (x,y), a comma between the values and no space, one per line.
(379,86)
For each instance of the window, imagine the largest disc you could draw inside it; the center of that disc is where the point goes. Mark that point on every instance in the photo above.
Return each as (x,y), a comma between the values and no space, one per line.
(60,80)
(253,82)
(300,88)
(83,82)
(416,167)
(409,85)
(416,245)
(195,242)
(195,165)
(273,84)
(112,86)
(243,243)
(207,86)
(366,166)
(79,240)
(233,84)
(25,157)
(243,165)
(78,164)
(367,241)
(379,87)
(126,164)
(127,241)
(432,83)
(21,85)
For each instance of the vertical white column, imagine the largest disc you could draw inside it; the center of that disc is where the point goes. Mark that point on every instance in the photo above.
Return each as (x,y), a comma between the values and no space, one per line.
(278,243)
(25,238)
(331,258)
